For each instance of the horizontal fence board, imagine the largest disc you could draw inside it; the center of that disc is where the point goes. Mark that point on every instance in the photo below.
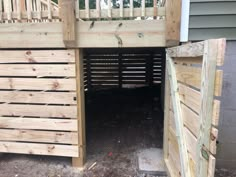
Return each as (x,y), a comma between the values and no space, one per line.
(39,149)
(192,76)
(38,84)
(37,70)
(38,115)
(38,110)
(38,97)
(38,124)
(39,136)
(37,56)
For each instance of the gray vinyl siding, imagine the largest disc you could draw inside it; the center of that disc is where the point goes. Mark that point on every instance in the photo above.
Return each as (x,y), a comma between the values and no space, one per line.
(226,148)
(212,19)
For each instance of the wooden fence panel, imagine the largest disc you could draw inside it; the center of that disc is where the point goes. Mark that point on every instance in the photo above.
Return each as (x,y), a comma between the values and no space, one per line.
(193,112)
(38,102)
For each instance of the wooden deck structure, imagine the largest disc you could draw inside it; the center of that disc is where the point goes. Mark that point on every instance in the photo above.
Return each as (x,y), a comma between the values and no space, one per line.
(42,24)
(42,77)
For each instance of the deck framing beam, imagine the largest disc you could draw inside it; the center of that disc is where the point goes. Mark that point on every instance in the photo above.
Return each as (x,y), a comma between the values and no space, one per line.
(99,34)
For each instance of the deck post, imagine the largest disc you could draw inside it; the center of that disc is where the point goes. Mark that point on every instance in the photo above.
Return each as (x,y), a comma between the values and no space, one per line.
(68,17)
(79,161)
(173,17)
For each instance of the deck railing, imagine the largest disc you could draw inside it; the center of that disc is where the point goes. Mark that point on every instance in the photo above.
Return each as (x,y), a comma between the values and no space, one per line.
(120,10)
(13,11)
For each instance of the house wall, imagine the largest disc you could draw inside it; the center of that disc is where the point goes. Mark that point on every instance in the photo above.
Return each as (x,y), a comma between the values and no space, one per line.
(212,19)
(226,155)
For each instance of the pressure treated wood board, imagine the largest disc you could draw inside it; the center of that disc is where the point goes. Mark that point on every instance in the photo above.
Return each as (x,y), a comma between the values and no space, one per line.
(118,33)
(198,80)
(38,102)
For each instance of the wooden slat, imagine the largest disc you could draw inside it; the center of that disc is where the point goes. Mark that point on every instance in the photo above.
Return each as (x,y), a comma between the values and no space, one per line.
(37,70)
(29,9)
(37,56)
(143,8)
(38,124)
(49,4)
(98,8)
(121,8)
(1,11)
(39,9)
(39,136)
(192,76)
(187,50)
(18,7)
(37,84)
(185,170)
(38,97)
(207,97)
(131,8)
(192,99)
(38,110)
(191,120)
(195,50)
(39,149)
(109,15)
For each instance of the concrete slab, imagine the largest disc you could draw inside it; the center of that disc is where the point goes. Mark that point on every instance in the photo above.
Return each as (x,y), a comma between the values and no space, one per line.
(150,161)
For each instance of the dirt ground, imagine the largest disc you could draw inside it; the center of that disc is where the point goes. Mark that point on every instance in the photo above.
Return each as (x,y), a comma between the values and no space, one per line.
(119,125)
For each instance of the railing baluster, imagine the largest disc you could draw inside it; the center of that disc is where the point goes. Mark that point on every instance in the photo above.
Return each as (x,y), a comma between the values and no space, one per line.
(154,9)
(18,7)
(39,9)
(29,9)
(0,10)
(109,9)
(121,9)
(87,8)
(7,8)
(143,8)
(77,8)
(49,10)
(98,8)
(131,7)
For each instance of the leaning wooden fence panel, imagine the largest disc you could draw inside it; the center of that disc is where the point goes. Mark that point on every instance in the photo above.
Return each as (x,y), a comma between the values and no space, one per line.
(192,107)
(38,103)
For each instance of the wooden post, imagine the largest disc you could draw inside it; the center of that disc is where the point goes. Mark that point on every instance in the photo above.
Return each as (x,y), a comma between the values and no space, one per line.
(68,18)
(173,16)
(79,161)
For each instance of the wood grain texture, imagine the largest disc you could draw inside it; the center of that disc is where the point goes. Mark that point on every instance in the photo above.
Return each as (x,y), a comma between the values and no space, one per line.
(38,84)
(39,149)
(192,76)
(132,34)
(38,110)
(173,16)
(39,136)
(184,159)
(68,18)
(37,56)
(38,124)
(35,70)
(38,97)
(38,115)
(207,94)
